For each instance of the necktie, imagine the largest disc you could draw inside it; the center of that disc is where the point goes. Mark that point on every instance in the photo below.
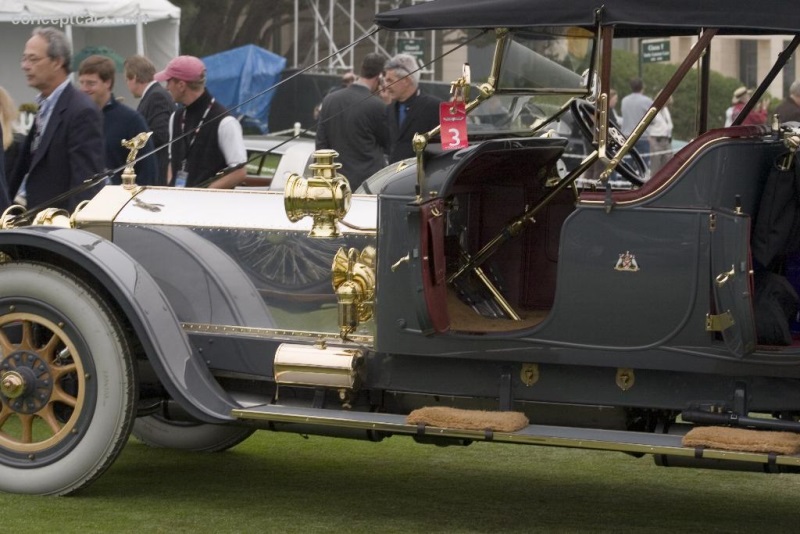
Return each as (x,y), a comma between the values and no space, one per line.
(40,122)
(401,115)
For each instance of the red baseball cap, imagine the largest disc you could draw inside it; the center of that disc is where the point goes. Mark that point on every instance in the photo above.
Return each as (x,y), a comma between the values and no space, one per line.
(185,68)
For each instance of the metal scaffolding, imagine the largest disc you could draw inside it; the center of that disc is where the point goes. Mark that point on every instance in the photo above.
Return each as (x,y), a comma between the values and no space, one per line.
(337,23)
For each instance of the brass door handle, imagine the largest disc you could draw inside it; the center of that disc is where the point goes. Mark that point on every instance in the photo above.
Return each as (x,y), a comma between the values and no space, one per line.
(404,259)
(723,278)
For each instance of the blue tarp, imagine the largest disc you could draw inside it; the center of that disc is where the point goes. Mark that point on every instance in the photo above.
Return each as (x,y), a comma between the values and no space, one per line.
(237,75)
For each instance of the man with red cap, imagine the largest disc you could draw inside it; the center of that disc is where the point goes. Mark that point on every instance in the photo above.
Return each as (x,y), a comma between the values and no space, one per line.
(210,139)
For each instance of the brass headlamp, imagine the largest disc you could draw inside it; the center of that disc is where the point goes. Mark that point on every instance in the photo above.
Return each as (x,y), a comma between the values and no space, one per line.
(325,196)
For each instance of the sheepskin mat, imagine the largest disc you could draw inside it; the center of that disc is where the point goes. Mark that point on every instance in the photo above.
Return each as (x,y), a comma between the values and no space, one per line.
(743,440)
(444,417)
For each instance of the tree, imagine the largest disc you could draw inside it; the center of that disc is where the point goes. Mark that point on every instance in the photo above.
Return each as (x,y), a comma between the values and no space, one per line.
(213,26)
(684,105)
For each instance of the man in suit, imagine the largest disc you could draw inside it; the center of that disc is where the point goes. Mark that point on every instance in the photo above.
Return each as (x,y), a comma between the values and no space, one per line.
(156,106)
(352,122)
(65,146)
(411,111)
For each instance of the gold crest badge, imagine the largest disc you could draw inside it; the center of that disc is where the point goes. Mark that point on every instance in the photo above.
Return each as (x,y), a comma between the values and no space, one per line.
(626,262)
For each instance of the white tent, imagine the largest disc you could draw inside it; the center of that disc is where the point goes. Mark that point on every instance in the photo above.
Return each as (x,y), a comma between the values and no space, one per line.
(147,27)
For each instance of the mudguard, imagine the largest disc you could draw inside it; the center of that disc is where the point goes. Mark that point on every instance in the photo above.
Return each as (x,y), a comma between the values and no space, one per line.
(180,369)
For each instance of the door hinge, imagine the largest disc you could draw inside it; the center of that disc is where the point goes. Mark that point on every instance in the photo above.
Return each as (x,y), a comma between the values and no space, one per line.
(718,323)
(712,222)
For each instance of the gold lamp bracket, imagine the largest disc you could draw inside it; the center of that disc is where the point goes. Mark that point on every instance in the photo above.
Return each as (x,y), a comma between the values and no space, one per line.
(324,196)
(353,280)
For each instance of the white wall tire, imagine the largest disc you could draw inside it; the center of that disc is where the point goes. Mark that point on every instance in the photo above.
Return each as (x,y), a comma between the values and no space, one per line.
(73,414)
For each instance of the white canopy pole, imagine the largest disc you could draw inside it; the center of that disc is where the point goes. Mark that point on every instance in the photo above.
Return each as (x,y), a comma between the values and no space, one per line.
(139,37)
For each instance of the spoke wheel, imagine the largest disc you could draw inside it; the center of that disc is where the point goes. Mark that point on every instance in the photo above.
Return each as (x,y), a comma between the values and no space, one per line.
(42,383)
(66,382)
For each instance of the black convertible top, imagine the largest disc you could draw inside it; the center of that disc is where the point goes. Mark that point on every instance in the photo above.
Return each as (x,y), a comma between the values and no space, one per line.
(631,18)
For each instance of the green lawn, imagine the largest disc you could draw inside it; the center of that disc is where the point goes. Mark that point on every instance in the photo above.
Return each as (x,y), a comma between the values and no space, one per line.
(286,483)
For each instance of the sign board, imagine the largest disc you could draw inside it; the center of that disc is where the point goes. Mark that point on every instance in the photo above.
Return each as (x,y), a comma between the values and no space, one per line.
(655,51)
(413,46)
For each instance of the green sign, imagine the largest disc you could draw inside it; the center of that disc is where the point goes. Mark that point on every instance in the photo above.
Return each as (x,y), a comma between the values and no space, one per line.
(413,46)
(655,51)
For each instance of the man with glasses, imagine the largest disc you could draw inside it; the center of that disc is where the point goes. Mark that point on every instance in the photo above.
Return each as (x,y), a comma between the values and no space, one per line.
(411,110)
(65,146)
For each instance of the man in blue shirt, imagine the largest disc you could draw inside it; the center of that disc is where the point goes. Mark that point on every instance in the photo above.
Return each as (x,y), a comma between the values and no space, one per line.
(96,79)
(64,147)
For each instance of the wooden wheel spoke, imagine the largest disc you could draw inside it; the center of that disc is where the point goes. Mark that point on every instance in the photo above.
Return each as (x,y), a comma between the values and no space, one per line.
(60,370)
(5,413)
(49,417)
(59,395)
(5,345)
(48,352)
(27,427)
(27,336)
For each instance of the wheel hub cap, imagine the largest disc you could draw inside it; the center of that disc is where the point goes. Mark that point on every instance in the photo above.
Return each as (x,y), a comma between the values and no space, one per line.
(25,382)
(12,385)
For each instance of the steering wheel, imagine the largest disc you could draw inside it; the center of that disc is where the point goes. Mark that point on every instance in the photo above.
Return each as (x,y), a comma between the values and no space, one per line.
(632,167)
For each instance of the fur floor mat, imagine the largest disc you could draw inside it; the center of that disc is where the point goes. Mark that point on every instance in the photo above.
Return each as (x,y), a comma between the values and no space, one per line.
(444,417)
(743,440)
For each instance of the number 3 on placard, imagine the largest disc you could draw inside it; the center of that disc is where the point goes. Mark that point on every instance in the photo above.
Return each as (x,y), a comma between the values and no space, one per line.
(455,139)
(453,123)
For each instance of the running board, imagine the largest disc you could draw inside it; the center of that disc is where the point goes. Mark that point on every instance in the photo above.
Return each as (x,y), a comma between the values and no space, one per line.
(557,436)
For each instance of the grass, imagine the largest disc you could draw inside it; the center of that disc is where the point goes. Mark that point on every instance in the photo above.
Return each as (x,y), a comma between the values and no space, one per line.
(286,483)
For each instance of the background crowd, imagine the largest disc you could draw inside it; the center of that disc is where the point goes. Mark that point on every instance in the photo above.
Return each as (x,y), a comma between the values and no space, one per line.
(73,145)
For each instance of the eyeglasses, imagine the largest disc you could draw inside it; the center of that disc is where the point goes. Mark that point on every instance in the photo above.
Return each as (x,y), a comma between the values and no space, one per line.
(30,59)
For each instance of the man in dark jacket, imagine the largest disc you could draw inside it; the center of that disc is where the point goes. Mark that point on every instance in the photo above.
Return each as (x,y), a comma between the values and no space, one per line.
(411,111)
(120,123)
(65,145)
(352,122)
(156,106)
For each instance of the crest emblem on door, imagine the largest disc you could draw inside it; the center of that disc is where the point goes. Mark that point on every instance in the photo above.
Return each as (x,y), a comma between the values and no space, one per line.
(626,262)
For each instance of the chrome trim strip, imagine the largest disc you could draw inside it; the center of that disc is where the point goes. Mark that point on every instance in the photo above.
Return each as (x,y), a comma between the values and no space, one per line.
(272,333)
(615,440)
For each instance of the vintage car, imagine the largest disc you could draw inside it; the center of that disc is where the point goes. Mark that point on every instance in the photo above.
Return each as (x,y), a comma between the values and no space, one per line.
(462,295)
(272,158)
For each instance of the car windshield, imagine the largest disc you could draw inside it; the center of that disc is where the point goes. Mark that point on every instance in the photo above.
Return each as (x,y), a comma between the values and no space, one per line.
(539,72)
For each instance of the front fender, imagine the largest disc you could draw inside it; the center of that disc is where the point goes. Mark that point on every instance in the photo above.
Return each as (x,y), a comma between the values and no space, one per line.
(180,369)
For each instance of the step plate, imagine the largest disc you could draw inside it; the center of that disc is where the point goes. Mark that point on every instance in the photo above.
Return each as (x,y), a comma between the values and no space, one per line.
(559,436)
